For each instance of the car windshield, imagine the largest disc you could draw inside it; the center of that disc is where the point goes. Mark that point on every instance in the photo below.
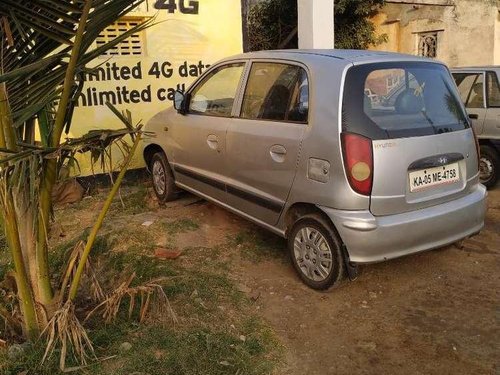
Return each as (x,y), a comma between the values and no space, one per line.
(394,100)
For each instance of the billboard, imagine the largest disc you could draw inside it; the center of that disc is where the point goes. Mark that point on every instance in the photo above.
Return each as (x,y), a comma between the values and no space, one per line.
(142,73)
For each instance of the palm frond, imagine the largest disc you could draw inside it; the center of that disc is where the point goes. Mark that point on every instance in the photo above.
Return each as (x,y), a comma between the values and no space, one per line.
(65,332)
(148,297)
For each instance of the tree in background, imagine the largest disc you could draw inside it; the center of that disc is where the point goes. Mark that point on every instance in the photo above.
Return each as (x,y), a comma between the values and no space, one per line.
(272,24)
(353,28)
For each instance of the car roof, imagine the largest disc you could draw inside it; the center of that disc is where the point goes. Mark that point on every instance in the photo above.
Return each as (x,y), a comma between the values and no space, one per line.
(349,55)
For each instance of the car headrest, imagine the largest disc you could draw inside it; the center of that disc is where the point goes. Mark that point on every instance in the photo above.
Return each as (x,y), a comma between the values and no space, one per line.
(408,103)
(478,88)
(276,103)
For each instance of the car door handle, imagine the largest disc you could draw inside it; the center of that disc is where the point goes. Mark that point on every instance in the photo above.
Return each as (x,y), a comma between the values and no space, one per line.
(473,116)
(213,142)
(278,153)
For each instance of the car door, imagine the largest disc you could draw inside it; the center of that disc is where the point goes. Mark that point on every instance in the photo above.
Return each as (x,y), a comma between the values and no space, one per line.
(491,128)
(200,155)
(472,92)
(263,144)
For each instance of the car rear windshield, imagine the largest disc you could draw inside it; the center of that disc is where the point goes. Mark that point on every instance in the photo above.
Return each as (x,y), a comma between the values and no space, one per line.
(399,100)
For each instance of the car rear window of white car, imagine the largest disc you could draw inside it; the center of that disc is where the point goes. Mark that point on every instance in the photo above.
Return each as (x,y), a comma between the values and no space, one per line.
(471,88)
(493,93)
(396,100)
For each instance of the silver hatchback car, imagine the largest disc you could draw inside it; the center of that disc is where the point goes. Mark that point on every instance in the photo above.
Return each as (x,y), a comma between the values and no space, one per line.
(353,156)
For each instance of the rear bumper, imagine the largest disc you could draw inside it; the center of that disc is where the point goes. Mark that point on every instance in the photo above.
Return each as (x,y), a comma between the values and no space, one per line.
(371,238)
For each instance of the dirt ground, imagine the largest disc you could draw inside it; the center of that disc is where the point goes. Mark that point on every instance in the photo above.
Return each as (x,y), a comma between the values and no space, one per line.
(436,312)
(432,313)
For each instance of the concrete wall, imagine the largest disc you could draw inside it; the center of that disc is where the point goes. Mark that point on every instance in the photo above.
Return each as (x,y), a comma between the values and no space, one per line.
(314,19)
(468,30)
(497,37)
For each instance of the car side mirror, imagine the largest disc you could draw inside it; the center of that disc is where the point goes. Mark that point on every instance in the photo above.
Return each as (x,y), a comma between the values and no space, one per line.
(180,102)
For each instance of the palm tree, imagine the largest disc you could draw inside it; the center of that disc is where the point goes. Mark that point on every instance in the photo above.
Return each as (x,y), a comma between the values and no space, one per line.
(44,48)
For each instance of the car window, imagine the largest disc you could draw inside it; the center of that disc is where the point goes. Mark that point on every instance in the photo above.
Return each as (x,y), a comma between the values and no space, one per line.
(278,92)
(476,95)
(493,90)
(465,82)
(215,94)
(394,100)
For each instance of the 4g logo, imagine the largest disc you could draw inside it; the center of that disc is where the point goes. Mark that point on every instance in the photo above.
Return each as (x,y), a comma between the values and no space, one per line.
(171,6)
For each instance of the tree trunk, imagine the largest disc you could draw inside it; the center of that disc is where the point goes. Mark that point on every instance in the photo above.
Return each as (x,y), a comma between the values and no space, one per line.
(42,250)
(10,224)
(27,302)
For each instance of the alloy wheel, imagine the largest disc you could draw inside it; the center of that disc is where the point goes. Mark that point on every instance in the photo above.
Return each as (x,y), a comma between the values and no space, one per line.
(486,169)
(159,177)
(313,254)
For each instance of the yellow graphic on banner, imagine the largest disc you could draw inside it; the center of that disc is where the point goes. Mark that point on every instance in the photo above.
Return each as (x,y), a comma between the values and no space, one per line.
(142,73)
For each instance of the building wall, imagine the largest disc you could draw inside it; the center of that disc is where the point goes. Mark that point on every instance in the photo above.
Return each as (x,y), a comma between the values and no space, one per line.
(497,37)
(468,31)
(181,45)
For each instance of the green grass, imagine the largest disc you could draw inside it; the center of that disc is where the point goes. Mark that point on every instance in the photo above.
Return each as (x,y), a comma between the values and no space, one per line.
(30,360)
(194,351)
(180,226)
(202,343)
(257,245)
(212,313)
(135,238)
(134,202)
(145,267)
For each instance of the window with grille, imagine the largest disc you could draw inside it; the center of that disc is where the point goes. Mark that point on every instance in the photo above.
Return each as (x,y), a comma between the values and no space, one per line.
(132,46)
(427,44)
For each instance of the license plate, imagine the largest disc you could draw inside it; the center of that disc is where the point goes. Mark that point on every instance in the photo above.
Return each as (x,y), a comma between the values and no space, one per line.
(432,177)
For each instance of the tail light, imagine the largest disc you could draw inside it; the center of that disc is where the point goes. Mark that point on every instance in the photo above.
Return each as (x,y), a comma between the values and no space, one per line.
(358,162)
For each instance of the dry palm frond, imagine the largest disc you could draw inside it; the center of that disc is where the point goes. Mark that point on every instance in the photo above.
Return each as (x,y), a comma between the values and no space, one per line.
(153,301)
(65,331)
(96,292)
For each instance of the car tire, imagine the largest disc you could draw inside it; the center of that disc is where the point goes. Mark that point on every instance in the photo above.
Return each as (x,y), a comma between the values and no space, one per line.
(489,165)
(162,178)
(305,247)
